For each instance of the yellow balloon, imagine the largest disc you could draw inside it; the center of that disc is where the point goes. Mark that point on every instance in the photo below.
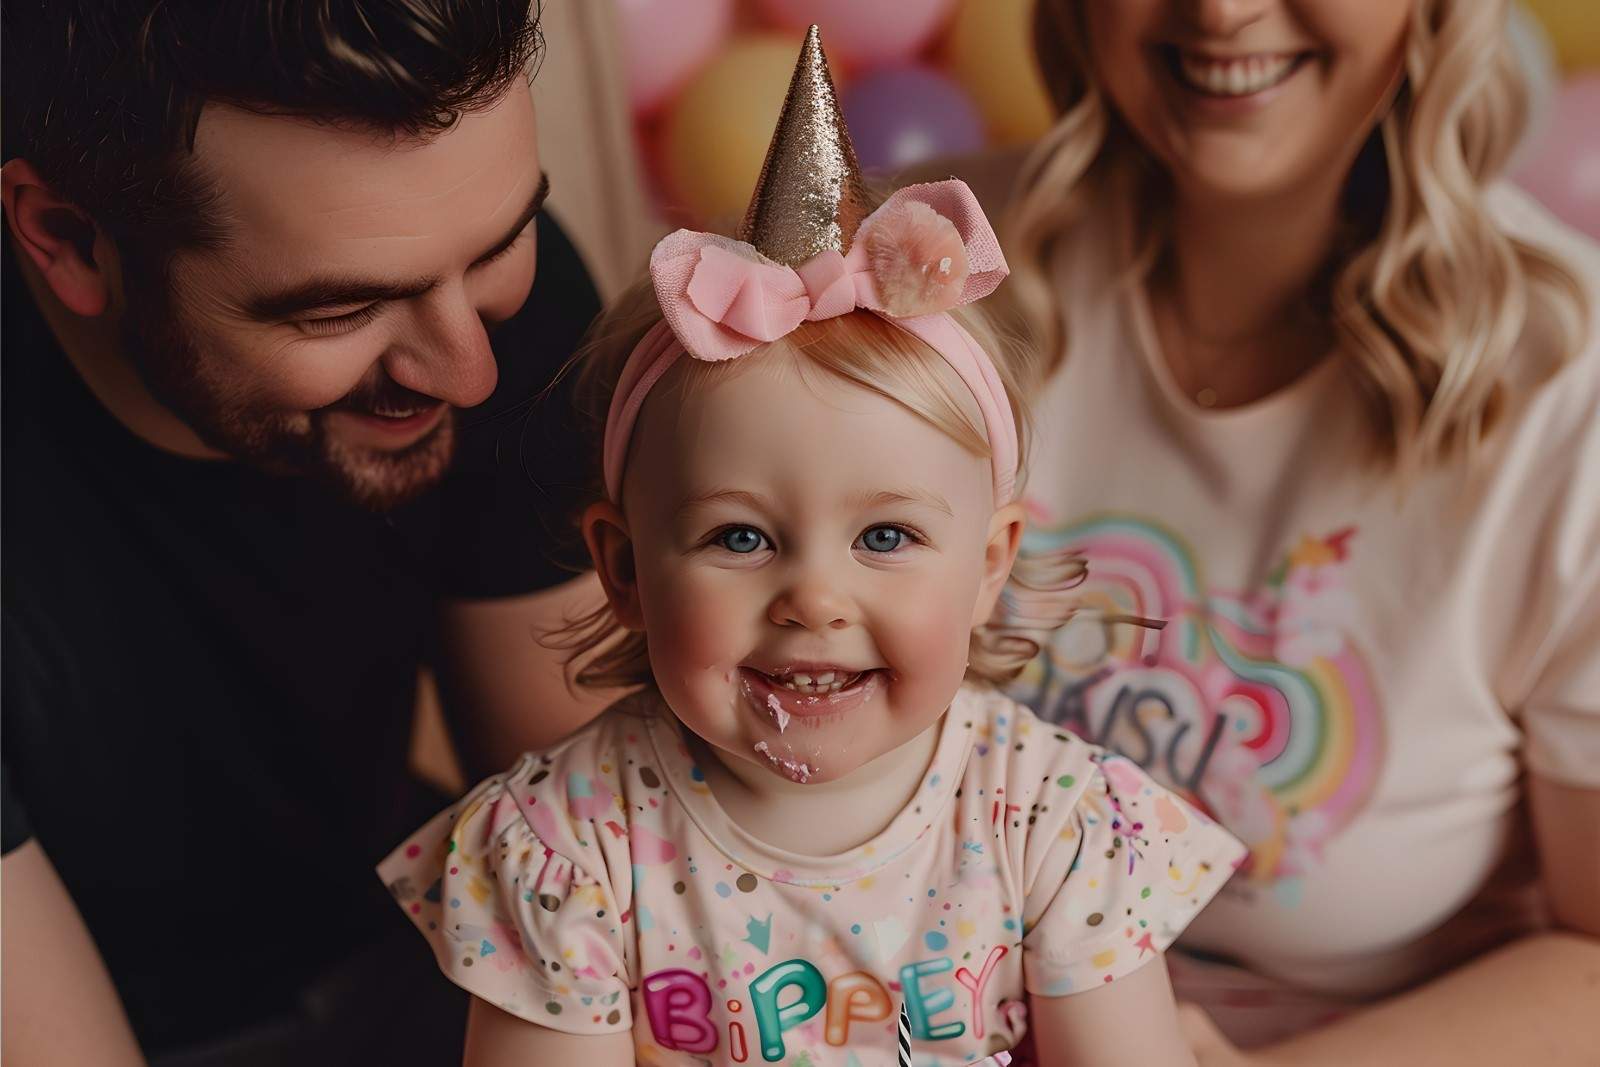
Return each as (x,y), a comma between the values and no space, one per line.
(716,134)
(991,54)
(1573,27)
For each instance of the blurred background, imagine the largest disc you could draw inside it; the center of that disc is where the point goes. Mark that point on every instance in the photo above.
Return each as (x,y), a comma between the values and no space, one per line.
(658,112)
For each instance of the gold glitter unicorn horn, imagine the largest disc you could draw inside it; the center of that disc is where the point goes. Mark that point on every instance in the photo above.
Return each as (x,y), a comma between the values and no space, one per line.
(810,197)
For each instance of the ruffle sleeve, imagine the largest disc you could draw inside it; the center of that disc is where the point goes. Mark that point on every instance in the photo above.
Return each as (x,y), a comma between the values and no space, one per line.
(512,891)
(1131,866)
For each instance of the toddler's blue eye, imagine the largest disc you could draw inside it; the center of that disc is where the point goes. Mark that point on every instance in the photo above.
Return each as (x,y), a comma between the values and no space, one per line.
(883,539)
(741,539)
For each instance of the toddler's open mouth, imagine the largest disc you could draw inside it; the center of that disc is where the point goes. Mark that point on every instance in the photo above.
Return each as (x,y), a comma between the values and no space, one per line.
(811,694)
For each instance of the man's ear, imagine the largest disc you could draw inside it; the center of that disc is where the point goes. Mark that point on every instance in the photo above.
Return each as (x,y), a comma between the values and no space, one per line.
(999,553)
(57,236)
(605,531)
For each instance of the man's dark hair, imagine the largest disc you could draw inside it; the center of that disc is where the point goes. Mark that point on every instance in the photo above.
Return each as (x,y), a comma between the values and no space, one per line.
(103,96)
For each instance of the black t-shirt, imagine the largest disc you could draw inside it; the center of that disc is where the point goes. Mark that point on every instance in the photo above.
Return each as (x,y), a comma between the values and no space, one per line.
(209,672)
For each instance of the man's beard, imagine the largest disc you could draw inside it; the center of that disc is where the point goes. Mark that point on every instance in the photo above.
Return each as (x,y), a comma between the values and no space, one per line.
(296,443)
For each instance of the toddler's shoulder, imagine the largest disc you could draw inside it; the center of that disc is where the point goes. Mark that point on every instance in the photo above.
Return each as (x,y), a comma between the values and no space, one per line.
(574,795)
(598,754)
(1017,755)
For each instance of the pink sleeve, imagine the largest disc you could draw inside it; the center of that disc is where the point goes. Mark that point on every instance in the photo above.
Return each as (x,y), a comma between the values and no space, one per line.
(1130,867)
(533,926)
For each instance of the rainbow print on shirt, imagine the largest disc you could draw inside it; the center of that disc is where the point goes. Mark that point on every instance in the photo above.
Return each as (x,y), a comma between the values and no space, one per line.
(1256,705)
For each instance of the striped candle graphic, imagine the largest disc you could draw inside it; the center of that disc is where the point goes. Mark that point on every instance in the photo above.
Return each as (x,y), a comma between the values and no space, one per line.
(905,1037)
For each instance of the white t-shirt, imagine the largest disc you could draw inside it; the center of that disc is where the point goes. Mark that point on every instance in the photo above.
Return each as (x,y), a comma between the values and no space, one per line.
(1353,678)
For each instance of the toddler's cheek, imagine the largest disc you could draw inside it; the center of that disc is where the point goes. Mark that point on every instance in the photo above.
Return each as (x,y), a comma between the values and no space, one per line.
(925,635)
(693,629)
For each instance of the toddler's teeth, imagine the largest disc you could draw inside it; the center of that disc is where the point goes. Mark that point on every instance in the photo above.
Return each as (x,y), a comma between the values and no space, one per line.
(824,678)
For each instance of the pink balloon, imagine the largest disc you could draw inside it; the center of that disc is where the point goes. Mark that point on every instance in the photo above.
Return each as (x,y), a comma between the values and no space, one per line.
(666,41)
(861,33)
(1562,166)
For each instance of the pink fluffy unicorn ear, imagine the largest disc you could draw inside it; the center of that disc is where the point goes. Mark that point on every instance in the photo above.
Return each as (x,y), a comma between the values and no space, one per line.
(918,259)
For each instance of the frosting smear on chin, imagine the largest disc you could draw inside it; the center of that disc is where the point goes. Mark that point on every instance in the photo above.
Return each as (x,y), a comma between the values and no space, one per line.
(792,769)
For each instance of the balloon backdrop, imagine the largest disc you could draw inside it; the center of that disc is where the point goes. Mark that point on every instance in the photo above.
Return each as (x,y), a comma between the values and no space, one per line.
(920,79)
(1562,166)
(716,134)
(861,32)
(665,41)
(991,54)
(1574,28)
(899,116)
(1537,58)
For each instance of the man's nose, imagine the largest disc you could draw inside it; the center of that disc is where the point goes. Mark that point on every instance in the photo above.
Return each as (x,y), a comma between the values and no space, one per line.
(448,356)
(815,600)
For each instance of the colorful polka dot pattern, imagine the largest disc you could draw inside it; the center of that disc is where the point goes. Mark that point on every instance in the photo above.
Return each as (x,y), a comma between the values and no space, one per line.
(599,888)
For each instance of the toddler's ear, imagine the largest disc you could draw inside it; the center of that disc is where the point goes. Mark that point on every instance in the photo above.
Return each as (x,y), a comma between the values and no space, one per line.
(605,531)
(1005,538)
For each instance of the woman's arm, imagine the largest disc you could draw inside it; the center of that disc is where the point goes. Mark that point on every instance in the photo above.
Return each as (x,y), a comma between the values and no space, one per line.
(497,1039)
(1534,1001)
(59,1004)
(1131,1022)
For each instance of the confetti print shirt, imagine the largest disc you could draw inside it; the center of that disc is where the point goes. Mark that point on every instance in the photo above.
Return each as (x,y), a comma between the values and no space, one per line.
(599,887)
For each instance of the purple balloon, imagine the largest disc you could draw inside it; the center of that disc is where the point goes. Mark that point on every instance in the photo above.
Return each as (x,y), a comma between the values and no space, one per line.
(903,115)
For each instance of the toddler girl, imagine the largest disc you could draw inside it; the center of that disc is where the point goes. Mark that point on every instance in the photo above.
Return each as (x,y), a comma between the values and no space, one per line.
(817,811)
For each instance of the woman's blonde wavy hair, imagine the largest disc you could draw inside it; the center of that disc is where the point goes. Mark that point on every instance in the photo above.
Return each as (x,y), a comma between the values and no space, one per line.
(1428,296)
(866,351)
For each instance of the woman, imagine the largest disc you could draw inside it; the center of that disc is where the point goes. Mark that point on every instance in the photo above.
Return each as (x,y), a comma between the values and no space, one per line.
(1324,397)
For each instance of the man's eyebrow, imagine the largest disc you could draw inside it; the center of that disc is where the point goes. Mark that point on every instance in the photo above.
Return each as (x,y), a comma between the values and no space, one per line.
(333,291)
(890,497)
(535,205)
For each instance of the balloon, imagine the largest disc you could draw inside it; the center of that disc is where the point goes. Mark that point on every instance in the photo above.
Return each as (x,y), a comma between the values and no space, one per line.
(862,33)
(716,133)
(991,55)
(666,41)
(1574,26)
(899,116)
(1537,58)
(1563,165)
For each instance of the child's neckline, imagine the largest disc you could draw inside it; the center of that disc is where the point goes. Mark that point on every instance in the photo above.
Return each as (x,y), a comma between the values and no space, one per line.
(768,861)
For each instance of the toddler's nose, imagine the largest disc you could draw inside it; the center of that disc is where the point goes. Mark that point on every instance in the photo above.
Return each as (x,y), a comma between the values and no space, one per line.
(814,604)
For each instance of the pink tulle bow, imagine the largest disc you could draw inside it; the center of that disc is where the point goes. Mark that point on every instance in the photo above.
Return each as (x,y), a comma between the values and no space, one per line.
(723,298)
(926,250)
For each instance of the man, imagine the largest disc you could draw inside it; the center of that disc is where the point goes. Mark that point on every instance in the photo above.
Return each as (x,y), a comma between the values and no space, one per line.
(271,370)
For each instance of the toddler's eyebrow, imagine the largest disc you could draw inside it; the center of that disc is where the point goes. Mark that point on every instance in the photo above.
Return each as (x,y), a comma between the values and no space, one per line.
(858,501)
(754,501)
(887,497)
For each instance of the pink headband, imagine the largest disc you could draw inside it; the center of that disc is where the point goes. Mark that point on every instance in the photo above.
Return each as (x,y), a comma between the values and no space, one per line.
(926,250)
